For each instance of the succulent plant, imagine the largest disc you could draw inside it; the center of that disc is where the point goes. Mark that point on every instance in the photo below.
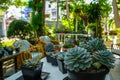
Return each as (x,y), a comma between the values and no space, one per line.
(71,41)
(90,56)
(49,47)
(68,45)
(95,44)
(105,57)
(77,59)
(61,55)
(23,45)
(32,63)
(45,38)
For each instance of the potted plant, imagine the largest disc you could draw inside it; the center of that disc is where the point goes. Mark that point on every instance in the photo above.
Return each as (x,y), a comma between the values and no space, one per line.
(9,49)
(70,43)
(90,61)
(31,69)
(50,54)
(1,53)
(60,61)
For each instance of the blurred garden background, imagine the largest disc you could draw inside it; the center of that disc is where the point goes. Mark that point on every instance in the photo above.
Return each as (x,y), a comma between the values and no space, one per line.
(58,22)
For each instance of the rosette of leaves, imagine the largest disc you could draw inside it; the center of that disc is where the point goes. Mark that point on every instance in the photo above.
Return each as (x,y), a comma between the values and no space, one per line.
(32,63)
(49,47)
(95,44)
(77,59)
(103,57)
(61,55)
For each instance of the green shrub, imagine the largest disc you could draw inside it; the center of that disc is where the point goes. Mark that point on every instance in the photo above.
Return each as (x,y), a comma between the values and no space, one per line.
(20,29)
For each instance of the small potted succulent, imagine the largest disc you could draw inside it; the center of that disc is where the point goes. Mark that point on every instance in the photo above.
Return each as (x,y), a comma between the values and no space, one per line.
(90,61)
(60,61)
(70,43)
(31,69)
(50,54)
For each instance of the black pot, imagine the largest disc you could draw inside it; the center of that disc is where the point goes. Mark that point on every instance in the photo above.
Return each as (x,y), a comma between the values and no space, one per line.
(52,60)
(1,54)
(17,50)
(87,75)
(61,66)
(32,73)
(49,58)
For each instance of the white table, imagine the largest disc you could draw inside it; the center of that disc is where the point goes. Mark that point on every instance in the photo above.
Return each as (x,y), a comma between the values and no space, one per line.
(55,74)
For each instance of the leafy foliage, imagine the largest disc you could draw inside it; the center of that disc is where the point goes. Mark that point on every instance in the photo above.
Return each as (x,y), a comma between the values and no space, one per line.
(19,28)
(4,4)
(37,20)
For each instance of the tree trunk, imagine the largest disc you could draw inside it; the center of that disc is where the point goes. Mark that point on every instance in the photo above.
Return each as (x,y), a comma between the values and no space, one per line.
(43,14)
(116,14)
